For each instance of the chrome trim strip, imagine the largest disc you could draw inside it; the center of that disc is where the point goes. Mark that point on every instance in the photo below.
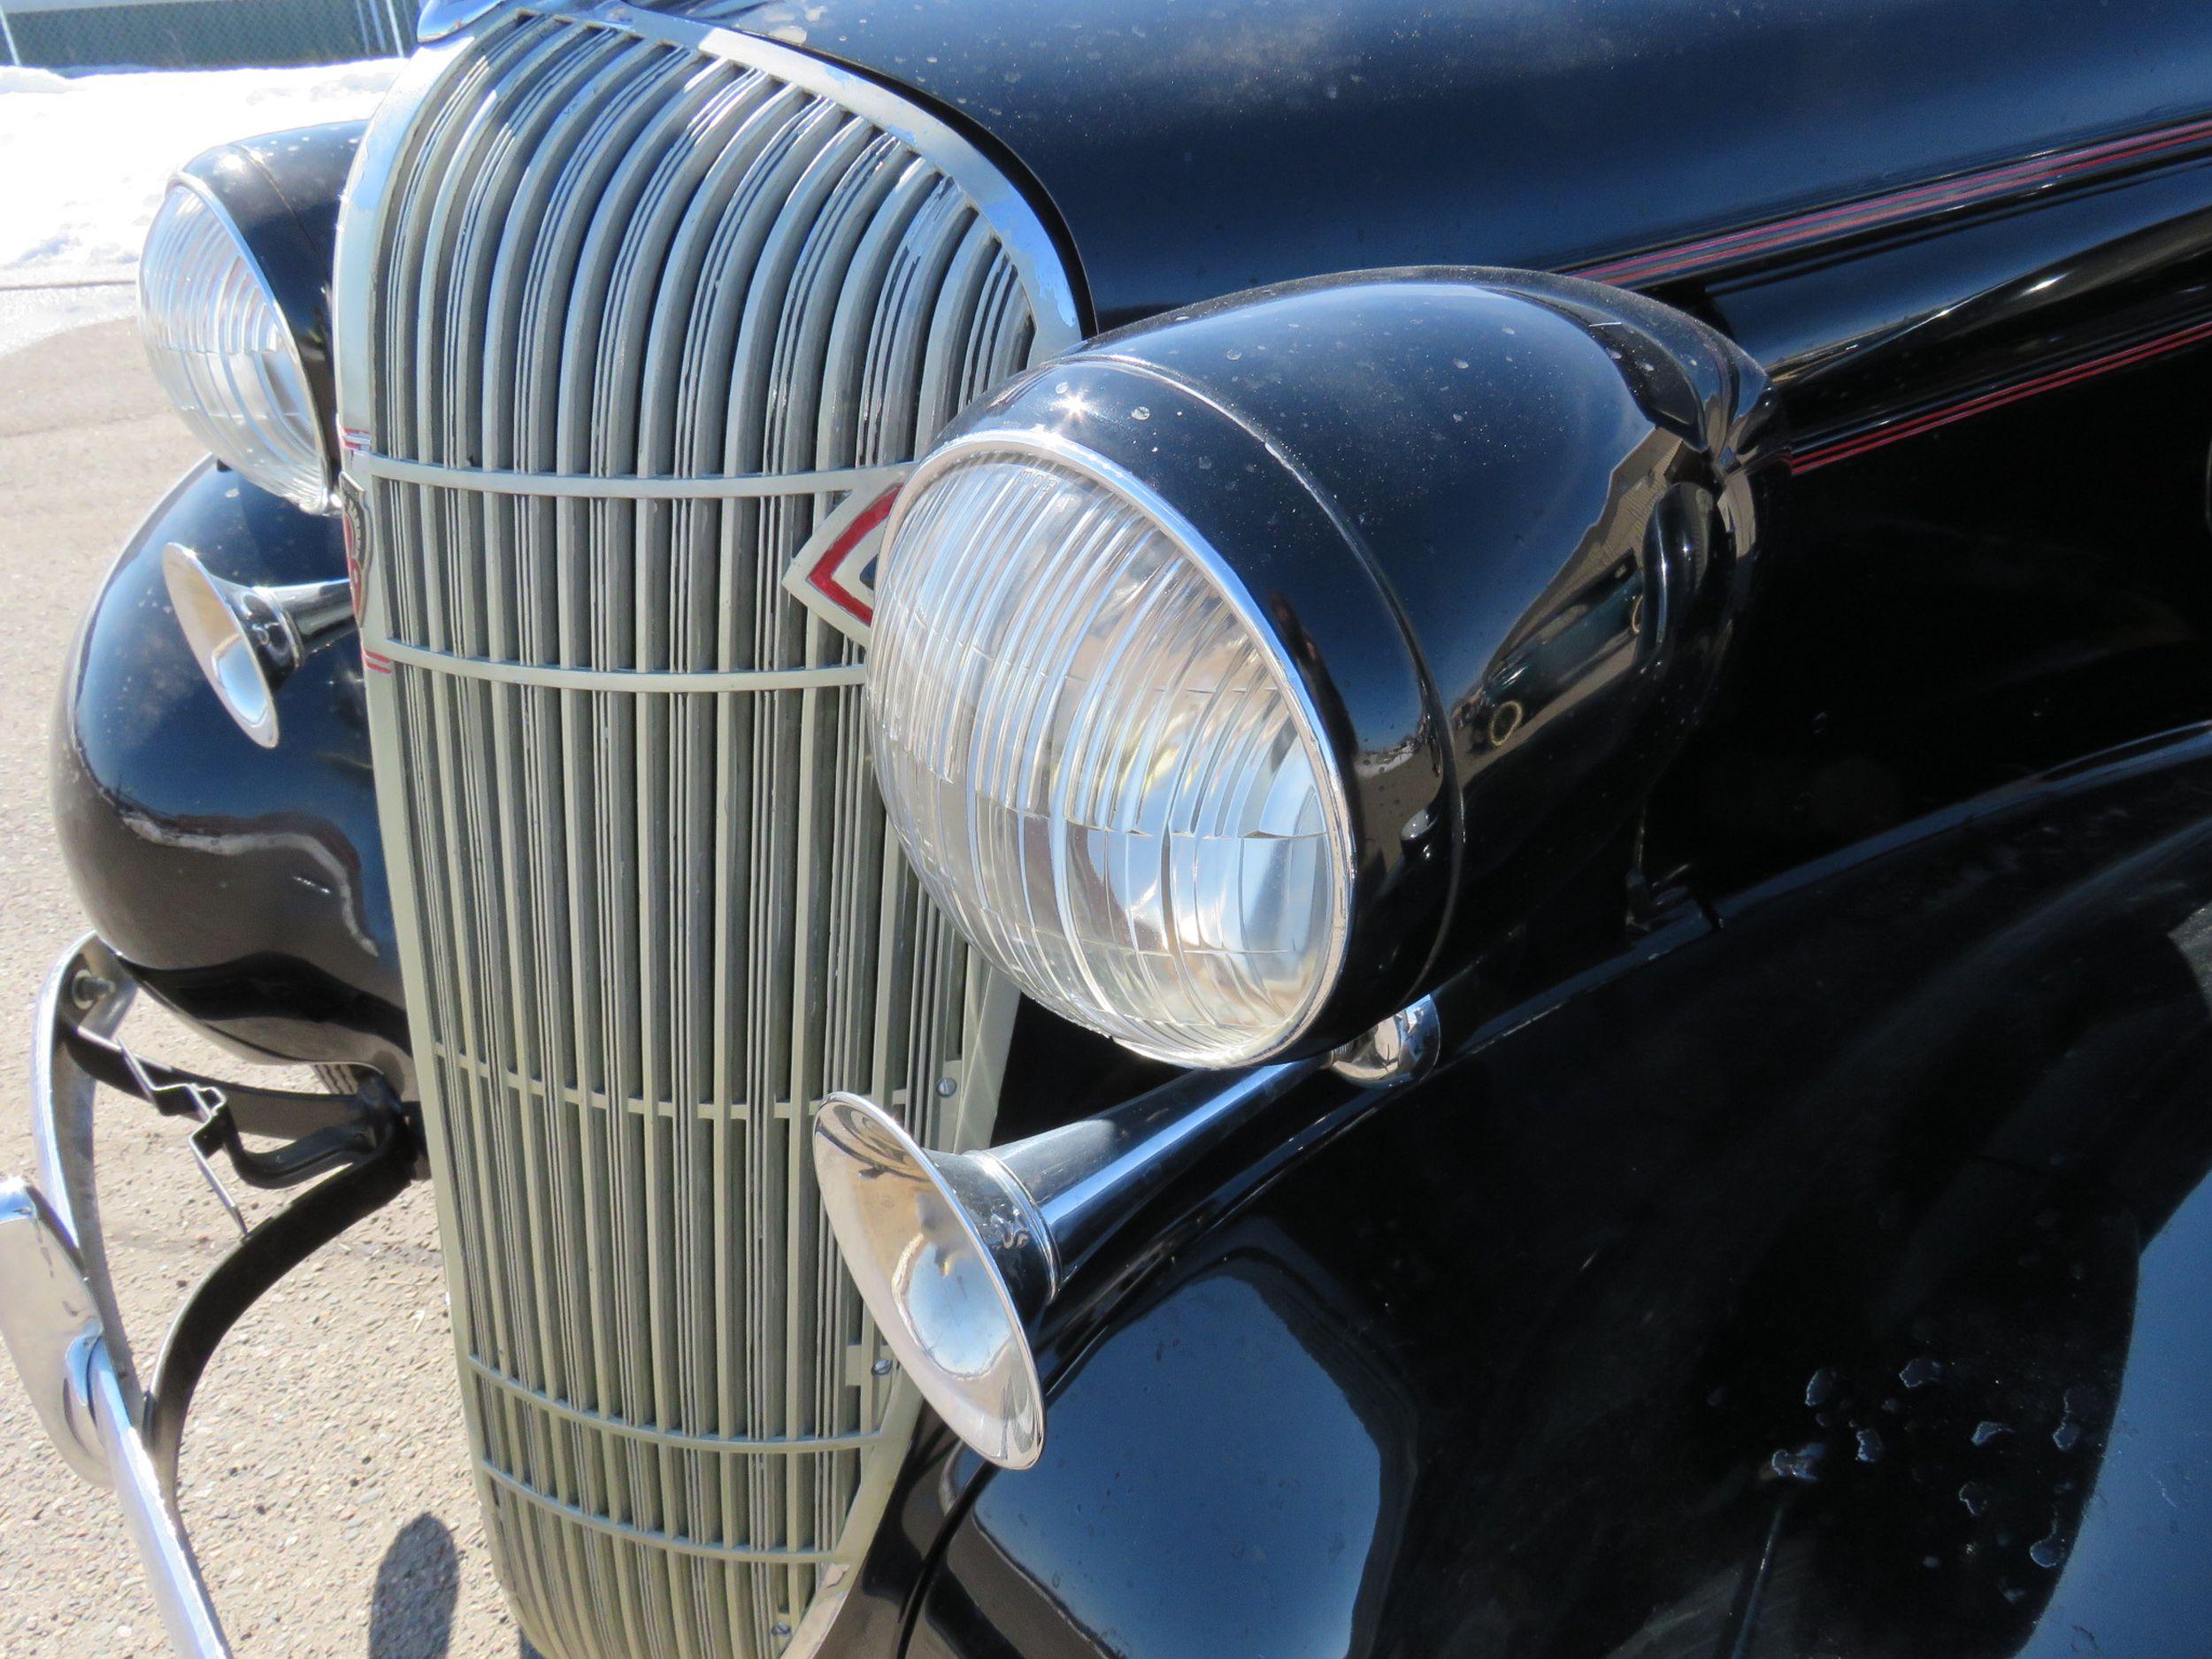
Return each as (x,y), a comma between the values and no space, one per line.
(439,18)
(631,680)
(61,1120)
(45,1309)
(179,1591)
(77,1331)
(590,487)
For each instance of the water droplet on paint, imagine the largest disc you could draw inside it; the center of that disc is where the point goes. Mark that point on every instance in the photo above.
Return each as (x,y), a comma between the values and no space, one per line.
(1802,1465)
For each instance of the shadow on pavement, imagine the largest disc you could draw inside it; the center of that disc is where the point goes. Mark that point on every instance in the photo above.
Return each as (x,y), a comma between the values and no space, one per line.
(410,1610)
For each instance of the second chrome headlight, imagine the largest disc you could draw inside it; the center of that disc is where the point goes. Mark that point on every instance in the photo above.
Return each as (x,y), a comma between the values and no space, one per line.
(1102,760)
(224,351)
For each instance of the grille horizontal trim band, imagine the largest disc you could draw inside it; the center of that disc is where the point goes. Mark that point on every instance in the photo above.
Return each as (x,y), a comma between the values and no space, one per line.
(594,1100)
(592,487)
(675,1543)
(633,681)
(606,1424)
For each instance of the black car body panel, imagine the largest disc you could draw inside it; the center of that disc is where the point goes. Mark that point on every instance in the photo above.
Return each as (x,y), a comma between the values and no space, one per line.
(1194,151)
(1972,244)
(1833,1283)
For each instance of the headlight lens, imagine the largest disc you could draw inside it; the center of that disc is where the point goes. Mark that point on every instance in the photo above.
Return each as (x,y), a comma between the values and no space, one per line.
(222,349)
(1099,759)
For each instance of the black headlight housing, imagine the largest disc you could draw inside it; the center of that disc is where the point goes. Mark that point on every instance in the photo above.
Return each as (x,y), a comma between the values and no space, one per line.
(1501,524)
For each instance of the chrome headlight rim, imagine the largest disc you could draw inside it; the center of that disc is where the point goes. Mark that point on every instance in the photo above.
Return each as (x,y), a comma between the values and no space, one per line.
(1053,451)
(313,377)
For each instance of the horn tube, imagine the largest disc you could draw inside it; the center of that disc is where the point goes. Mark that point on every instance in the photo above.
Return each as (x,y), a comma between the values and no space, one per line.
(957,1253)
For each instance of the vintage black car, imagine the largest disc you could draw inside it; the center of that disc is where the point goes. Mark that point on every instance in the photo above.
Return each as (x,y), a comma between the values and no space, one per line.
(1280,829)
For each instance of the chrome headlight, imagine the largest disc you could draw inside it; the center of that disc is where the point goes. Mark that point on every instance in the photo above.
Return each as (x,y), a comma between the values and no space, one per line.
(225,352)
(1100,758)
(1235,679)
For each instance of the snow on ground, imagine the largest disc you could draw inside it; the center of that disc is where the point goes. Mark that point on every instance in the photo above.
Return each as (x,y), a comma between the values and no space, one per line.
(28,315)
(83,158)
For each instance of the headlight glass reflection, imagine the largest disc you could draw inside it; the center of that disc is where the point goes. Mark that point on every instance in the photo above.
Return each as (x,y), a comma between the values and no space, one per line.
(222,350)
(1100,760)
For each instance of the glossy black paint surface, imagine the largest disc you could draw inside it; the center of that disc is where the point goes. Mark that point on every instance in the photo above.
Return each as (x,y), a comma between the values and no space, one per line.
(1504,525)
(1831,1284)
(1197,149)
(244,886)
(1997,555)
(2051,539)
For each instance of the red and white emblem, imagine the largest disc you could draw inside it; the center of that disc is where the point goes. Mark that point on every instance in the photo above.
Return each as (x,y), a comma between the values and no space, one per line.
(834,574)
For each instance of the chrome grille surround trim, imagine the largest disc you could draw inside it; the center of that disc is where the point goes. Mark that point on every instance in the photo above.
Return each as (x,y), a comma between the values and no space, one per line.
(649,909)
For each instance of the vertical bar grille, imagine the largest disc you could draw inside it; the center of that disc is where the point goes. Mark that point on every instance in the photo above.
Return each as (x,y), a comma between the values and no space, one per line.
(650,928)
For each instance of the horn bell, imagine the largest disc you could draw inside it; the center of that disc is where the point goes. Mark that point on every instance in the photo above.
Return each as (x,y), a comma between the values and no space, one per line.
(957,1253)
(248,641)
(954,1262)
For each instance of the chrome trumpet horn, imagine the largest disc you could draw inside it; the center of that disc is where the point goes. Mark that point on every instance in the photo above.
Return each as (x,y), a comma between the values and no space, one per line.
(957,1253)
(248,641)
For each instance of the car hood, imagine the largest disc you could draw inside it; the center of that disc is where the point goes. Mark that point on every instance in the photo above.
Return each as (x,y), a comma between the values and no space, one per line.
(1196,147)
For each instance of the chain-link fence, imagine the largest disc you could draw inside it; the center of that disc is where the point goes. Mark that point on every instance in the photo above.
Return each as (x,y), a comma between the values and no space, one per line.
(201,34)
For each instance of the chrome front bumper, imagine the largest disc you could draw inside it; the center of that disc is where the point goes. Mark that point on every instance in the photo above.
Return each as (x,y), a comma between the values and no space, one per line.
(62,1347)
(58,1309)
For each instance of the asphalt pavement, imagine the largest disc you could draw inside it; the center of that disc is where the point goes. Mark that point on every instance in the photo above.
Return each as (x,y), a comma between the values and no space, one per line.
(326,1477)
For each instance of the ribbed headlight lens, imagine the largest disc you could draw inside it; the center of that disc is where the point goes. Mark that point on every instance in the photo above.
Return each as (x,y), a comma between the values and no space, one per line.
(1099,759)
(221,348)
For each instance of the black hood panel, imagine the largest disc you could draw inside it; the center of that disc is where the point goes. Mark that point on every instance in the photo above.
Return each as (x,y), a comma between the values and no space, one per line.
(1197,146)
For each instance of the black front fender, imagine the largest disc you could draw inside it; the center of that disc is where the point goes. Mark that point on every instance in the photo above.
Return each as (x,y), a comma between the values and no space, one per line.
(1834,1284)
(245,886)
